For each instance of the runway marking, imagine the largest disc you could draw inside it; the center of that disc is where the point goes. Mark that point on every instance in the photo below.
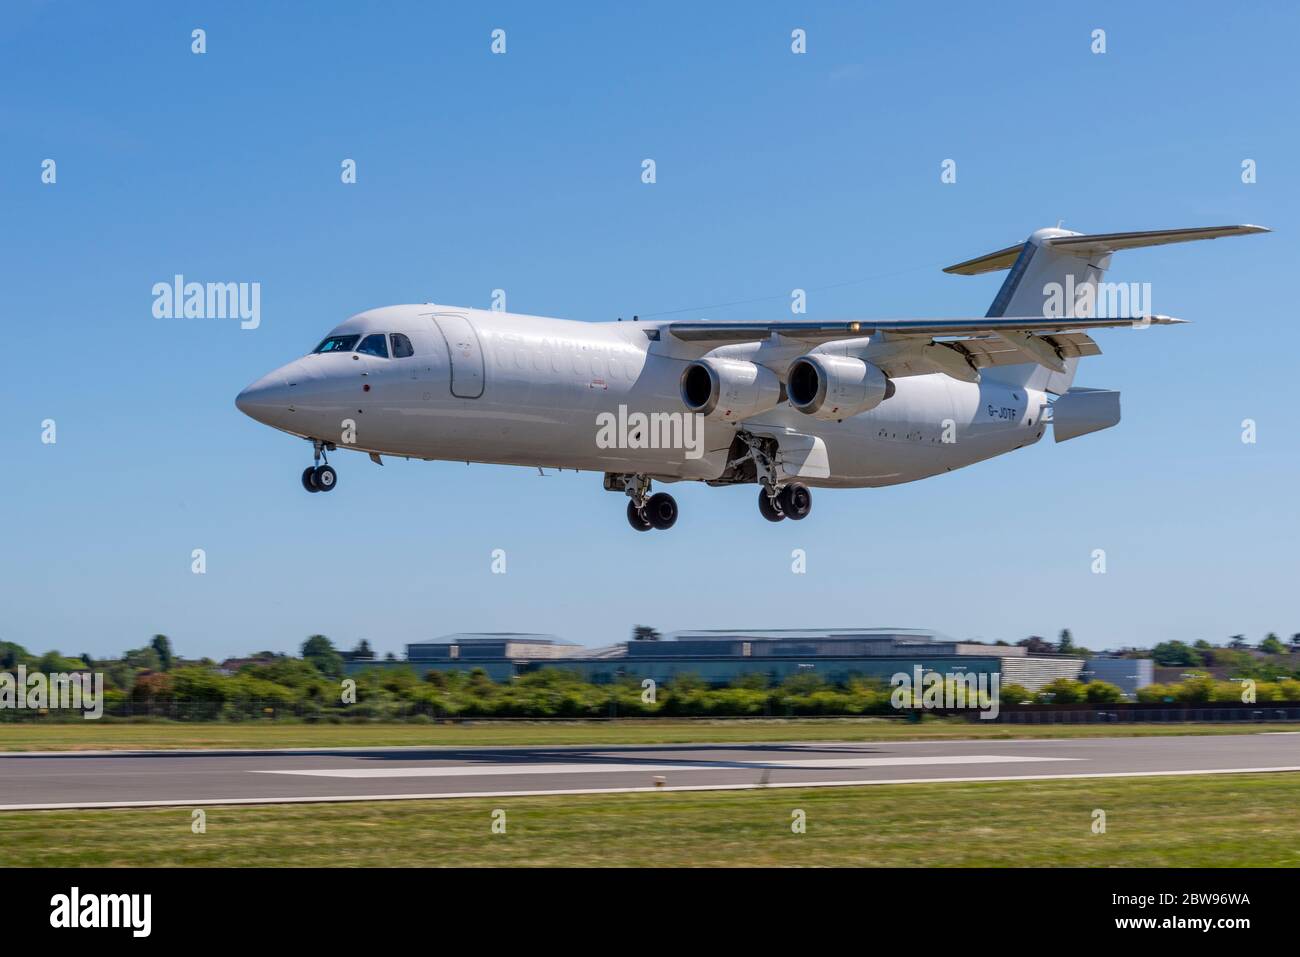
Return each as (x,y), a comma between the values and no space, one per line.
(811,764)
(362,798)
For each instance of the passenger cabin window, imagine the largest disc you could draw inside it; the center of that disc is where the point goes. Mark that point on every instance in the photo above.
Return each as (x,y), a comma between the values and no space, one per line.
(337,344)
(401,346)
(374,346)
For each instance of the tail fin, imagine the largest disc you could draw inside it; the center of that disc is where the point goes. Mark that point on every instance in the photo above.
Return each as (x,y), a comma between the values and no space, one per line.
(1056,272)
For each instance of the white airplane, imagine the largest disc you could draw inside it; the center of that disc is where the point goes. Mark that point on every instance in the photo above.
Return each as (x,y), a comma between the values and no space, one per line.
(786,405)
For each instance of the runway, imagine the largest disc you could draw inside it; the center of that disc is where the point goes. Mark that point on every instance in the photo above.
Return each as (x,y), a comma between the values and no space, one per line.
(44,781)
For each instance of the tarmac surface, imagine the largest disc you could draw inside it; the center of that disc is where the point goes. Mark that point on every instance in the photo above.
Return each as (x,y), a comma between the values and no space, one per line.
(48,780)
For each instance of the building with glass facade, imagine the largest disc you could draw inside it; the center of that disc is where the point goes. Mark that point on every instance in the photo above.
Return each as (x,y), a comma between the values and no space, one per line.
(720,657)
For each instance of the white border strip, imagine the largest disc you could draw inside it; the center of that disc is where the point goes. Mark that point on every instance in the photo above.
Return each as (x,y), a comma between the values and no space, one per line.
(814,745)
(362,798)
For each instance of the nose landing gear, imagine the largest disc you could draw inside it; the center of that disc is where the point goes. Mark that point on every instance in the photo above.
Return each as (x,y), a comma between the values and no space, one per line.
(318,477)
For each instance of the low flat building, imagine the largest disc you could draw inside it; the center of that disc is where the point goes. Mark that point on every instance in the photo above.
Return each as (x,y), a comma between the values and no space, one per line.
(502,654)
(1127,674)
(837,655)
(721,657)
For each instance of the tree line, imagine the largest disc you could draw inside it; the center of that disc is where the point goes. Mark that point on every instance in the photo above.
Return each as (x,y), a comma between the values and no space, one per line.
(151,681)
(154,681)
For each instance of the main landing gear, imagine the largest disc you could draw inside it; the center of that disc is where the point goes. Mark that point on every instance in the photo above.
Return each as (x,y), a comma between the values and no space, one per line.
(793,501)
(755,461)
(644,511)
(318,477)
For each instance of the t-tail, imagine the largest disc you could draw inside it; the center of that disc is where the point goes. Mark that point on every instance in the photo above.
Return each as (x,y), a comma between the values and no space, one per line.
(1059,273)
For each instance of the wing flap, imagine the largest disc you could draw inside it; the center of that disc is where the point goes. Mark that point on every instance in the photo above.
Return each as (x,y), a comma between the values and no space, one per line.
(985,352)
(963,358)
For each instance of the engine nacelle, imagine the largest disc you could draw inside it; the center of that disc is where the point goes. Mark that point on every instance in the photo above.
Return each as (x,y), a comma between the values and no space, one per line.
(835,387)
(729,389)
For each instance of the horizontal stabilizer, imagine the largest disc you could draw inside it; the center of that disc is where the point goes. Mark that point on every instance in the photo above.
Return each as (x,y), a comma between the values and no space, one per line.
(1095,243)
(992,262)
(1108,242)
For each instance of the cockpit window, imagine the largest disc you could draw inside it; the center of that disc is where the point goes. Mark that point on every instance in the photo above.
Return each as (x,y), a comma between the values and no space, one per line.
(401,346)
(374,346)
(337,344)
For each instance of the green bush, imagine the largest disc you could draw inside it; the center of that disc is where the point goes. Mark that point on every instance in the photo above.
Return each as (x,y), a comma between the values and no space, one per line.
(1155,694)
(1012,693)
(1102,692)
(1197,691)
(1062,691)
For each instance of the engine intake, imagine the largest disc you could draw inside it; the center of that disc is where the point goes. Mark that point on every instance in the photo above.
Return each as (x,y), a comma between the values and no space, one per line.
(729,389)
(835,387)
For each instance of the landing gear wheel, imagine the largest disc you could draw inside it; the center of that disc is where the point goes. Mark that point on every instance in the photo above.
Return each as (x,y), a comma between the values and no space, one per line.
(306,479)
(636,518)
(661,510)
(771,510)
(324,478)
(796,501)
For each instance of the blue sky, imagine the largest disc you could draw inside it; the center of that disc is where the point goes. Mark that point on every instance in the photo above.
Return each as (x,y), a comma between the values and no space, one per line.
(522,172)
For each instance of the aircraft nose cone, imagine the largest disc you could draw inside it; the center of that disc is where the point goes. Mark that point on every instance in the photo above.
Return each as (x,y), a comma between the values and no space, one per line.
(266,400)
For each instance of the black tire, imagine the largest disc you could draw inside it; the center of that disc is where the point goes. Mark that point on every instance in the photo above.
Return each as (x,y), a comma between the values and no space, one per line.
(636,519)
(324,478)
(796,501)
(771,512)
(661,511)
(306,480)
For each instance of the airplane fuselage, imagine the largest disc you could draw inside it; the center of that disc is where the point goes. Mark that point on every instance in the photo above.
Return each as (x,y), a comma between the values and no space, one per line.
(496,387)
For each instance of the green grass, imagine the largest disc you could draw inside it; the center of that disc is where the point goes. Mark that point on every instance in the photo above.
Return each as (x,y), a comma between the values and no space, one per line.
(1245,820)
(102,735)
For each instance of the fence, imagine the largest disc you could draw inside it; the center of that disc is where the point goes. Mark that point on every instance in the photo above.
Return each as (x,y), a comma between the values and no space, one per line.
(1146,713)
(397,710)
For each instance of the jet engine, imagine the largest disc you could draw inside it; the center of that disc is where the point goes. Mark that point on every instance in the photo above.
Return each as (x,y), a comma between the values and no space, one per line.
(835,387)
(729,389)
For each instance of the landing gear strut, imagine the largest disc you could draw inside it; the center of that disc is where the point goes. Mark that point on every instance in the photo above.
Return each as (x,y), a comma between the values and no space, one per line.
(757,456)
(318,477)
(644,511)
(794,501)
